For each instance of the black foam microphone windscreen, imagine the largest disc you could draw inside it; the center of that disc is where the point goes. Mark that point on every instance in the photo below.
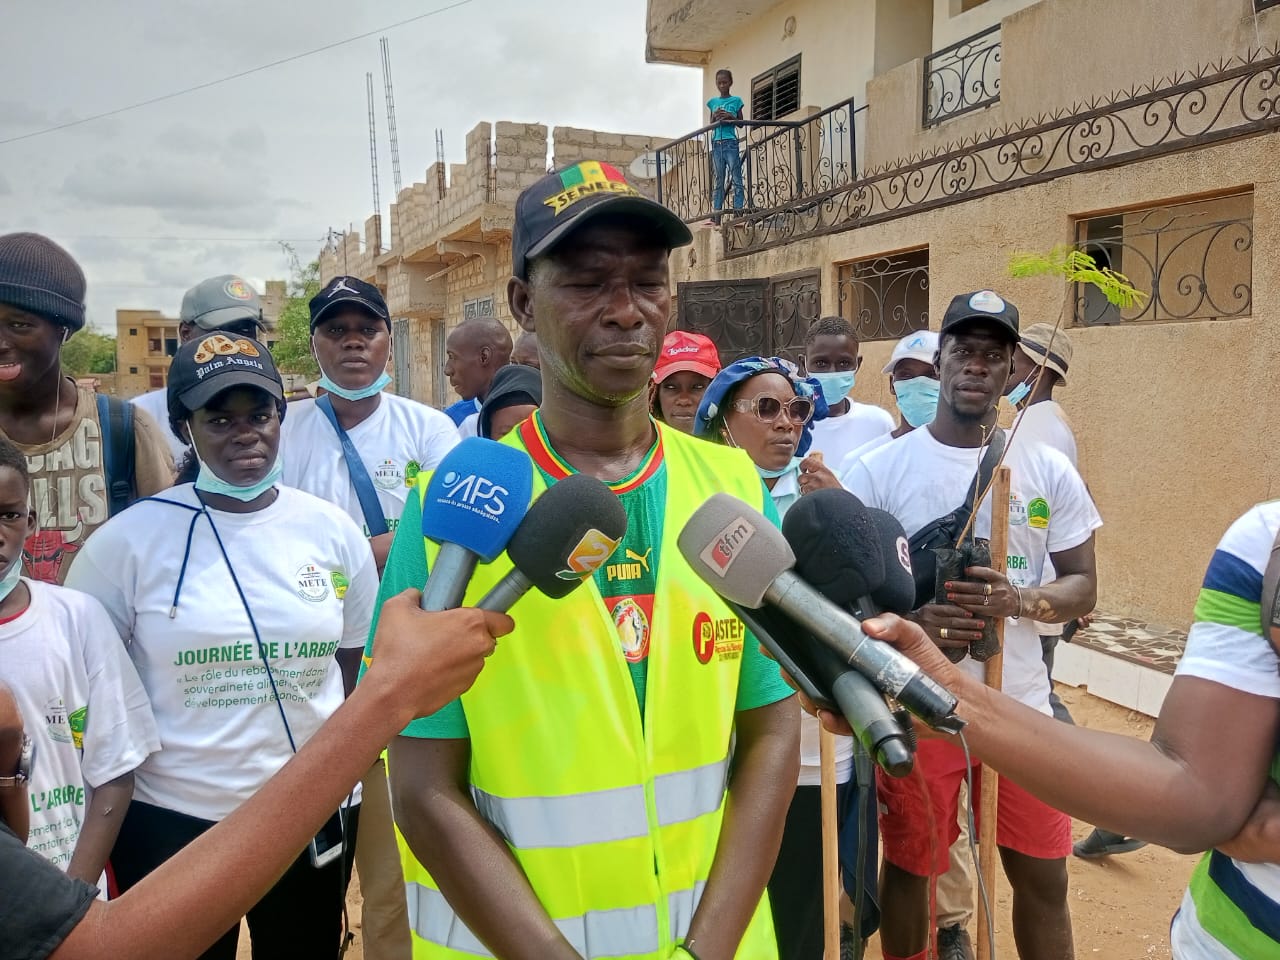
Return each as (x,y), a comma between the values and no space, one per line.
(837,545)
(897,594)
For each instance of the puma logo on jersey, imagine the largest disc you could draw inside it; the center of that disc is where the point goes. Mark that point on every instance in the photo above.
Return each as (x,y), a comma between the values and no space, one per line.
(632,570)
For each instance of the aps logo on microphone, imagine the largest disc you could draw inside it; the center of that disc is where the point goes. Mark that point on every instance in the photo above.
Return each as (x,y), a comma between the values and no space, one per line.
(720,553)
(475,493)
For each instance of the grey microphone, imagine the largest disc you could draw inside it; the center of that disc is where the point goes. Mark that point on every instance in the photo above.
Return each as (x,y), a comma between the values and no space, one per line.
(746,559)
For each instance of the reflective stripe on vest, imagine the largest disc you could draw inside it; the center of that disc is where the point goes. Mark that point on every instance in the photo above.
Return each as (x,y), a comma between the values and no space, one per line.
(612,814)
(1232,910)
(603,815)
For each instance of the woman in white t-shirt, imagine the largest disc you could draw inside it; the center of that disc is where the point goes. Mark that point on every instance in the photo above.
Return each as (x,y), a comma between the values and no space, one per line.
(244,606)
(760,405)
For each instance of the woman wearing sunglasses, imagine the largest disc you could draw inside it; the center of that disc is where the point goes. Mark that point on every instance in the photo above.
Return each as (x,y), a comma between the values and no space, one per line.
(760,405)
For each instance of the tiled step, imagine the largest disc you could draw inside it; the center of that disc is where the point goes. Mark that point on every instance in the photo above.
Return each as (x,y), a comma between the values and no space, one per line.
(1125,661)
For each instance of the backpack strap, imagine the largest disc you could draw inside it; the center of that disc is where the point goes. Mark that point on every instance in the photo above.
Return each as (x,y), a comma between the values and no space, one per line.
(115,420)
(982,480)
(370,506)
(1271,596)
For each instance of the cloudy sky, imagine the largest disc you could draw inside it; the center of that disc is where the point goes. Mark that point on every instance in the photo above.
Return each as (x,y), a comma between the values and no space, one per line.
(156,198)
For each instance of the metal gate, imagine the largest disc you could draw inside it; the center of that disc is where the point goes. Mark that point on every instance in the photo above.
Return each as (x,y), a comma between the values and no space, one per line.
(764,316)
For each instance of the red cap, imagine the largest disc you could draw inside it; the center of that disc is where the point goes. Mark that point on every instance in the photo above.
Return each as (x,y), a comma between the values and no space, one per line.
(686,351)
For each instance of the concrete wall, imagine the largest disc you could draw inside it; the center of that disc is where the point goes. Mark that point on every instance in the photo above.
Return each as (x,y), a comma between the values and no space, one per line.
(952,23)
(1177,432)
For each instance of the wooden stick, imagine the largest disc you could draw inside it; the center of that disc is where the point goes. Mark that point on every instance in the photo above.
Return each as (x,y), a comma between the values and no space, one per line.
(994,677)
(830,848)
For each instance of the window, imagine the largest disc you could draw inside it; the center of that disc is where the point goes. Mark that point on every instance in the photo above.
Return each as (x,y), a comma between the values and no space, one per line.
(776,93)
(156,379)
(886,297)
(133,369)
(133,331)
(1194,261)
(170,346)
(961,6)
(153,344)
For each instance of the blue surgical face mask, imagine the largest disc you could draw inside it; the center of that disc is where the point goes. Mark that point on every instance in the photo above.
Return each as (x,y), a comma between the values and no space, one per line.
(1019,393)
(11,577)
(209,482)
(835,385)
(917,400)
(774,474)
(361,394)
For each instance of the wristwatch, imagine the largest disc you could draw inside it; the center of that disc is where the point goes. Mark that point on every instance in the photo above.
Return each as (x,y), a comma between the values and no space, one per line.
(26,757)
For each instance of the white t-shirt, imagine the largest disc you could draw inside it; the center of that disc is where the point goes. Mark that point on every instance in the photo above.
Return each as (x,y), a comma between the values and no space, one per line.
(858,453)
(785,493)
(156,403)
(836,437)
(1046,422)
(309,578)
(918,479)
(1221,650)
(82,704)
(397,441)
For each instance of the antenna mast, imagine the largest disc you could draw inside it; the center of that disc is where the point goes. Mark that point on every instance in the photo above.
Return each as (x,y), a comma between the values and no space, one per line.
(391,114)
(440,161)
(373,147)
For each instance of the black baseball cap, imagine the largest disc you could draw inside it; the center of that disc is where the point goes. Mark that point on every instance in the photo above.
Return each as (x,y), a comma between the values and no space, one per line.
(982,305)
(561,202)
(205,367)
(352,291)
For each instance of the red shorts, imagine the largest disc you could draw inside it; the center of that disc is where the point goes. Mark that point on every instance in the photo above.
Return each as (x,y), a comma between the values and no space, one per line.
(1023,823)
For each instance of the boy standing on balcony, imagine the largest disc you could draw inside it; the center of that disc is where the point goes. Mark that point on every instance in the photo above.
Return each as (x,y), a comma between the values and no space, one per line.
(725,159)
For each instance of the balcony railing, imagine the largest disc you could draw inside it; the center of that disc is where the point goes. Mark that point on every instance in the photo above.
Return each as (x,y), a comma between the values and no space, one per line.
(781,161)
(962,77)
(1260,5)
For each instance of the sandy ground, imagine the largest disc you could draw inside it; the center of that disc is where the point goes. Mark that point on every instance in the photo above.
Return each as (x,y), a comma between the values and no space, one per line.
(1120,908)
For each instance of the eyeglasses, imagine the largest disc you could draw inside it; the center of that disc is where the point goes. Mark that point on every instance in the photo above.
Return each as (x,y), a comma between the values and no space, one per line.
(767,409)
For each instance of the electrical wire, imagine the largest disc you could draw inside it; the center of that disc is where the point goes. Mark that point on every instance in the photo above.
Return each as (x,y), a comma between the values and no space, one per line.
(234,76)
(973,848)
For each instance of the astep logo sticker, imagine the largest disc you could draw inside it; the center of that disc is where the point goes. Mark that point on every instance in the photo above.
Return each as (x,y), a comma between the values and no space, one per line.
(313,583)
(473,492)
(387,474)
(1038,513)
(589,555)
(720,639)
(720,553)
(411,471)
(76,720)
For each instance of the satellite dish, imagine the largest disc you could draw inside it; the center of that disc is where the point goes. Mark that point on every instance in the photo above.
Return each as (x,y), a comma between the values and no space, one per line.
(645,166)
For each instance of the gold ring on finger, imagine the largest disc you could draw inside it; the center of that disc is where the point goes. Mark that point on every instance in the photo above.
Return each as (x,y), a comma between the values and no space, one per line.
(943,634)
(986,589)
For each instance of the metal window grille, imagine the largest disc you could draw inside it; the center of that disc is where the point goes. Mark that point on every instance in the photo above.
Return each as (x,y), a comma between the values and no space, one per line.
(886,297)
(962,77)
(776,93)
(1194,260)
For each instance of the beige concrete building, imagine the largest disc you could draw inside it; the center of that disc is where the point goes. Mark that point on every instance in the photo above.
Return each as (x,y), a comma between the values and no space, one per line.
(903,150)
(450,250)
(146,341)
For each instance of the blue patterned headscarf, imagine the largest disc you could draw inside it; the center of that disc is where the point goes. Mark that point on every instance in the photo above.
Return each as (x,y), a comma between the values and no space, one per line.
(711,410)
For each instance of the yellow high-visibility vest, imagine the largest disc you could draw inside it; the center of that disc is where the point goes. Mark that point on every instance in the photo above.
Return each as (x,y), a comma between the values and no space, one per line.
(615,822)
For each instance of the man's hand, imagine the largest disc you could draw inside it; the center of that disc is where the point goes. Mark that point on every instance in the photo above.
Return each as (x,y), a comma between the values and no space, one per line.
(425,660)
(816,475)
(948,625)
(992,596)
(381,546)
(1259,839)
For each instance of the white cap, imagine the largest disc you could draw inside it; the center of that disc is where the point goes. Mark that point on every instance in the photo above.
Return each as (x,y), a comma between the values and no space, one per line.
(921,345)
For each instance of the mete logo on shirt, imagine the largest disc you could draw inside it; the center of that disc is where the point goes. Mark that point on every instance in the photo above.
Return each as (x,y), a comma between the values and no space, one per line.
(313,583)
(387,475)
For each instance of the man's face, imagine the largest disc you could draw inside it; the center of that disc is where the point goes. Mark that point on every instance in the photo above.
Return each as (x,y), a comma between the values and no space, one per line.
(525,351)
(600,304)
(1023,369)
(29,346)
(973,367)
(467,364)
(352,346)
(17,519)
(832,353)
(910,369)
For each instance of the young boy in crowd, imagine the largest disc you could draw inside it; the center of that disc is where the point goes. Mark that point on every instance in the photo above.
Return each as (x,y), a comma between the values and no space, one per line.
(82,702)
(725,159)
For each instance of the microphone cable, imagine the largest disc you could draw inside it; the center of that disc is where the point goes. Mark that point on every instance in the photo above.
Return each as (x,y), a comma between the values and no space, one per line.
(973,847)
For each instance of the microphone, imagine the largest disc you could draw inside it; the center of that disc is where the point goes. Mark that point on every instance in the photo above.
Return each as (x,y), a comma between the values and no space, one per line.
(746,559)
(476,499)
(897,594)
(826,680)
(568,533)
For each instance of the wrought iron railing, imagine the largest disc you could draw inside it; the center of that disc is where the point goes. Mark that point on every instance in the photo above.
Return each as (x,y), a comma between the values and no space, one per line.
(1220,101)
(781,162)
(886,297)
(962,77)
(1194,259)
